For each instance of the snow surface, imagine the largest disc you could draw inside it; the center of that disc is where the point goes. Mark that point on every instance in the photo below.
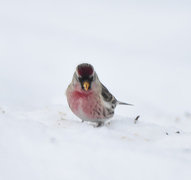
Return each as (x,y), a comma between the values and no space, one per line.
(141,52)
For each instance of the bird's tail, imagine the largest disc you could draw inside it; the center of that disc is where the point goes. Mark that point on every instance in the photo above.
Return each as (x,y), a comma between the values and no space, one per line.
(122,103)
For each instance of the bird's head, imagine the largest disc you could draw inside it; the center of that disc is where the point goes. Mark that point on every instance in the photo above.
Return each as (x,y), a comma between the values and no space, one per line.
(85,74)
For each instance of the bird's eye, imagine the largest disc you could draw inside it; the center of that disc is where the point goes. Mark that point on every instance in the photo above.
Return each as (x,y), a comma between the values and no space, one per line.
(79,78)
(91,78)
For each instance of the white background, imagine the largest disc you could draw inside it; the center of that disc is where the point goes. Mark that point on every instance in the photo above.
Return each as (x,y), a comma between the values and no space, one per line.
(141,53)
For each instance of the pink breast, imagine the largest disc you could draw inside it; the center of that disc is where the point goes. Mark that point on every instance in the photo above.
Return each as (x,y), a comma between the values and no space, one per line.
(83,103)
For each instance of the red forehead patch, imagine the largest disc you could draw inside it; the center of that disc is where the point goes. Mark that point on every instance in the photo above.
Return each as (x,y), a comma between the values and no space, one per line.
(85,70)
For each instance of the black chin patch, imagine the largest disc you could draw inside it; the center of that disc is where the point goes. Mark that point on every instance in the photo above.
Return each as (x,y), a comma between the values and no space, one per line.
(85,70)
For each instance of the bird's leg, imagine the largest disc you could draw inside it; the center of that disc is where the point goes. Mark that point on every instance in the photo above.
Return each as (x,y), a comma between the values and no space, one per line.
(97,124)
(100,123)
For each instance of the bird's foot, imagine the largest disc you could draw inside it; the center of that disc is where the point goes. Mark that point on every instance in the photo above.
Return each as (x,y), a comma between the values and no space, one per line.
(99,124)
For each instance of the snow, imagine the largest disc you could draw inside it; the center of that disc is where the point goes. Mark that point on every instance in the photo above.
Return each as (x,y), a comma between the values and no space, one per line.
(141,53)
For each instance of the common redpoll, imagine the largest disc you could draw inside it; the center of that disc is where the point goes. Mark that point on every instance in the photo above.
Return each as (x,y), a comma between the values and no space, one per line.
(88,98)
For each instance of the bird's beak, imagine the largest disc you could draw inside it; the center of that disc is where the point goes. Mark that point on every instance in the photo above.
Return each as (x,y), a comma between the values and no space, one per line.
(86,85)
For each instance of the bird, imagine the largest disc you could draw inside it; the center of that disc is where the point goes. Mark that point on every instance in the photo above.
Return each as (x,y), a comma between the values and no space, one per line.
(88,98)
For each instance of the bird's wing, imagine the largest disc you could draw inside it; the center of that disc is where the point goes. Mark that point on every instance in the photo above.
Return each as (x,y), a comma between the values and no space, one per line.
(108,97)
